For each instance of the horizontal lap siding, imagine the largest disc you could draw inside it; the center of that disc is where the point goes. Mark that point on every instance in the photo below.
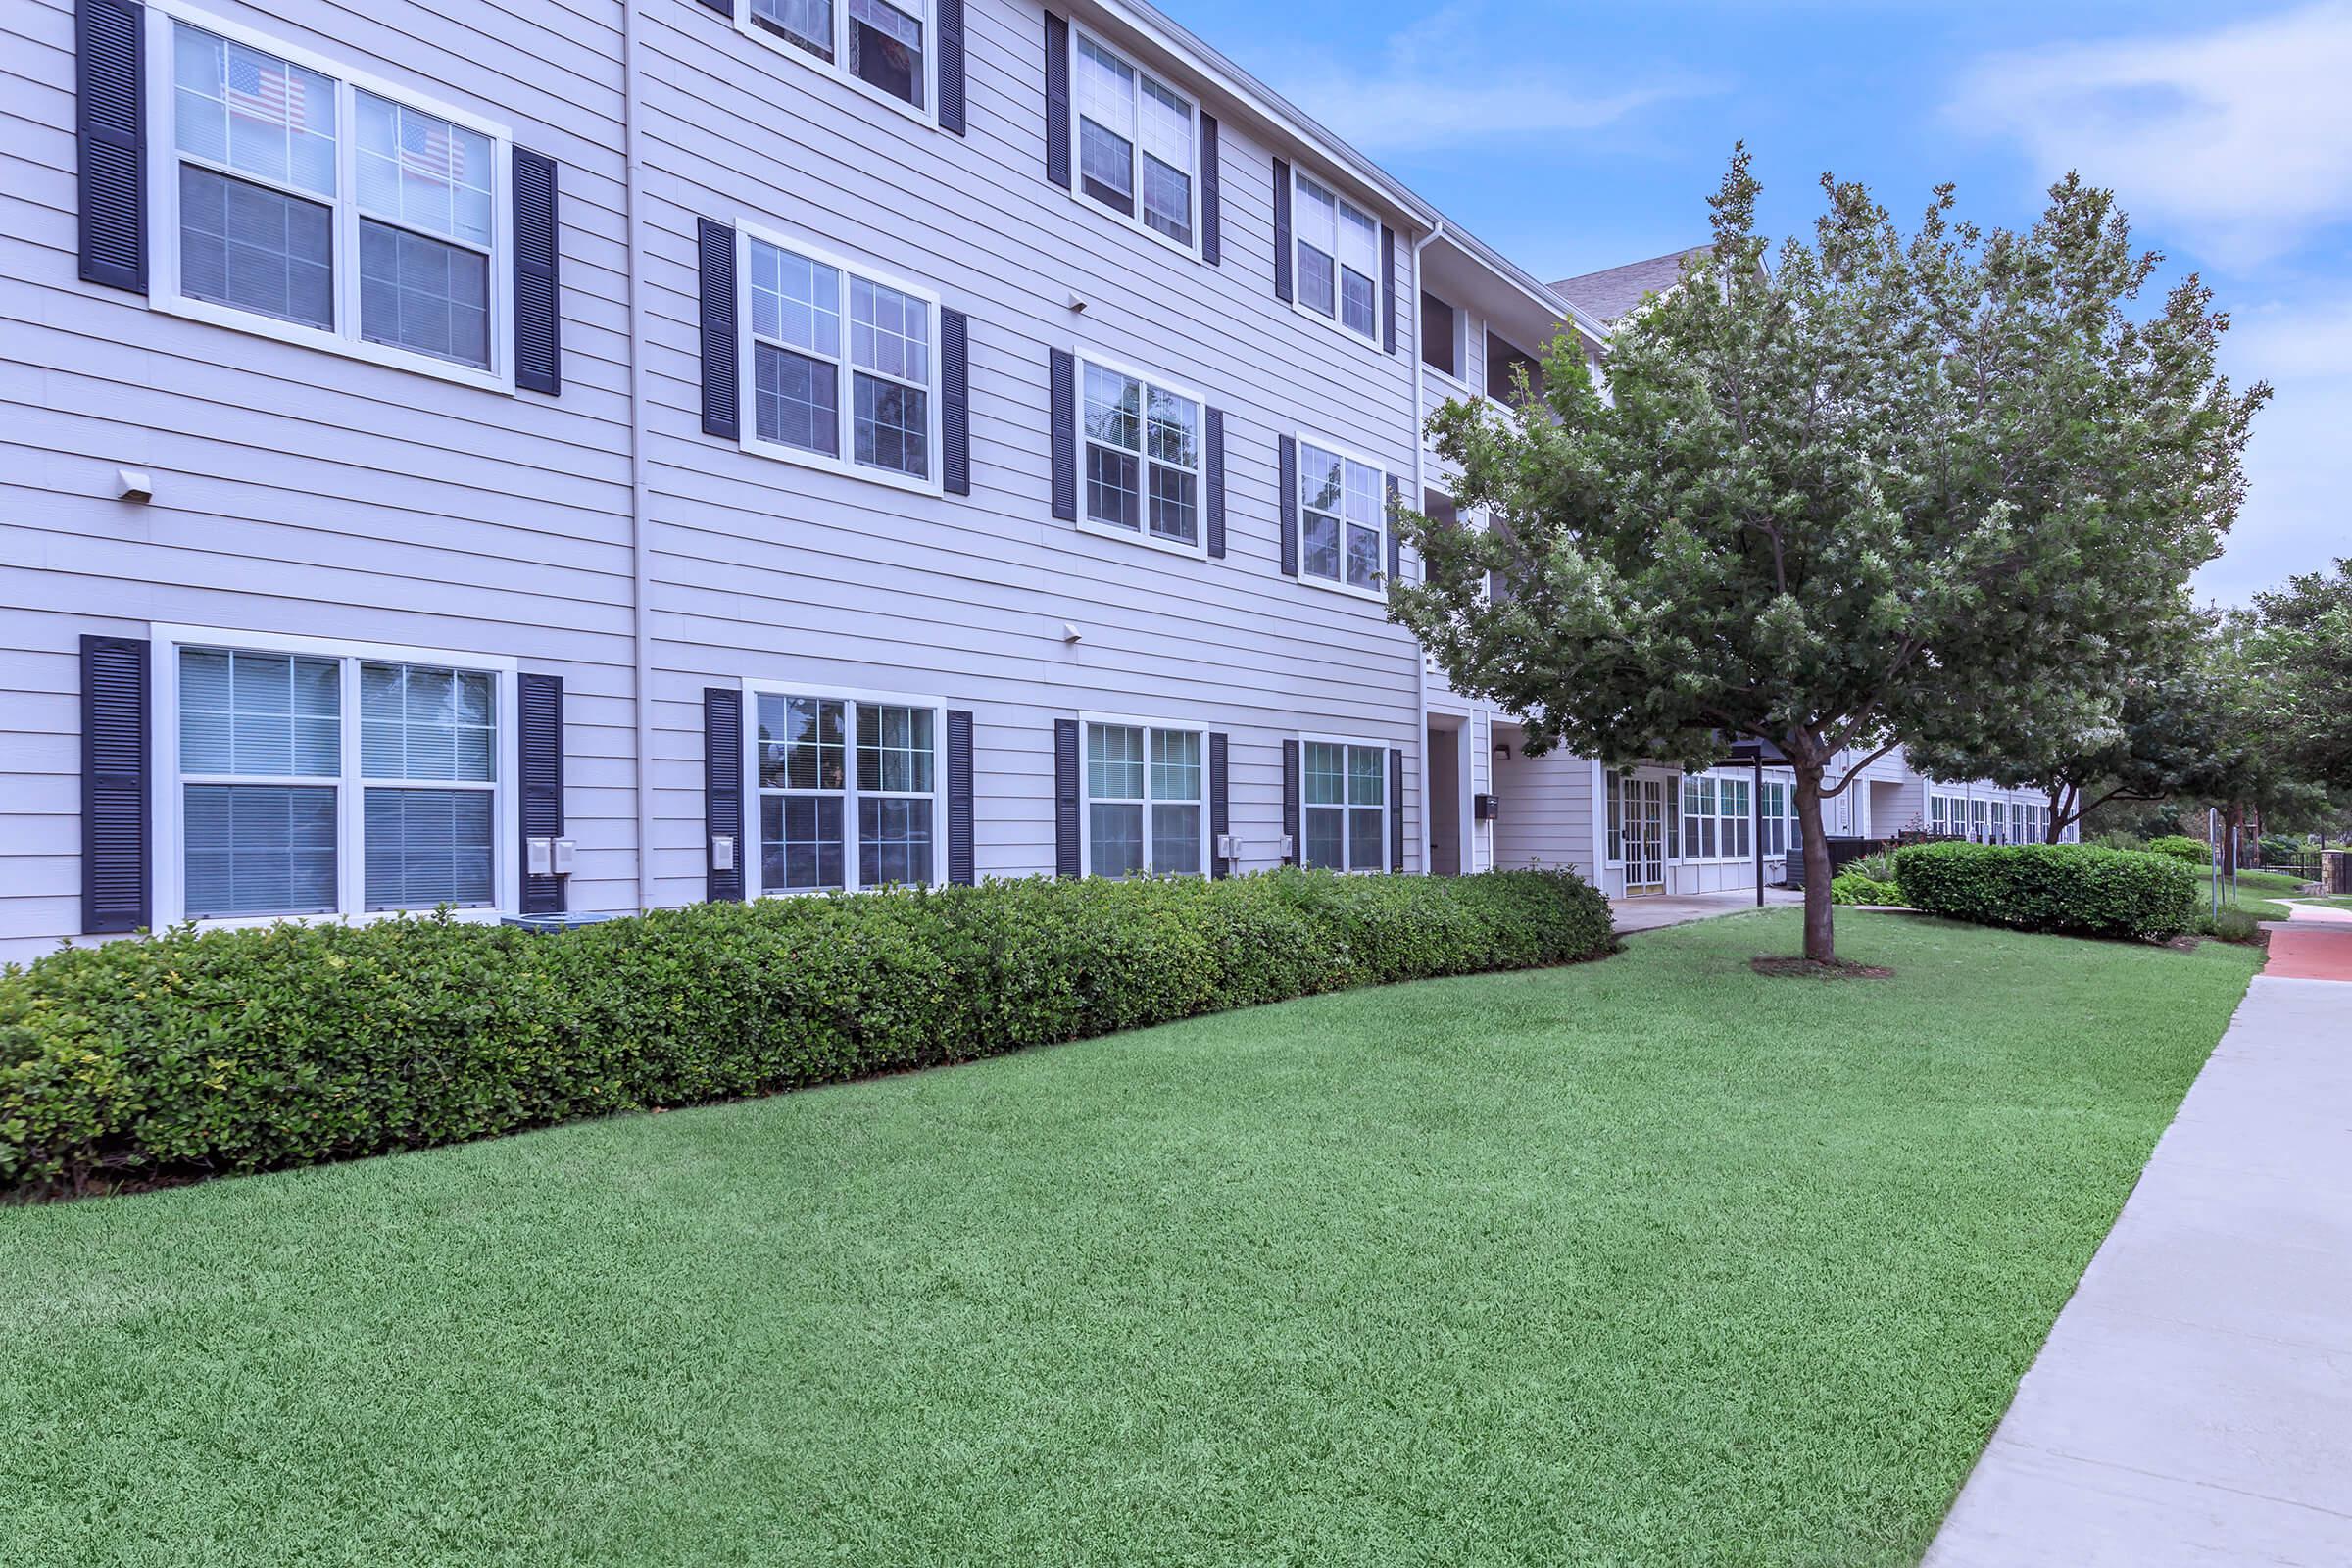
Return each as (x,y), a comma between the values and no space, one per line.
(780,572)
(1543,813)
(301,492)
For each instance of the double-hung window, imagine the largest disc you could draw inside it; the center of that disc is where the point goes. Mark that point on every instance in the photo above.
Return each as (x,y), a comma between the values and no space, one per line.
(1698,817)
(1342,518)
(1143,457)
(1136,142)
(882,49)
(839,363)
(317,204)
(310,781)
(849,790)
(1773,810)
(1144,788)
(1338,255)
(1344,803)
(1978,820)
(1732,838)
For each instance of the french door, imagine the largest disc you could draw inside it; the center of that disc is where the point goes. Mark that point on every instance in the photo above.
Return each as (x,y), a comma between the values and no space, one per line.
(1644,827)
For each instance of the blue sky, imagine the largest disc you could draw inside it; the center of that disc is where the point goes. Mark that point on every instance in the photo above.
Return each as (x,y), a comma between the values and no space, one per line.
(1573,137)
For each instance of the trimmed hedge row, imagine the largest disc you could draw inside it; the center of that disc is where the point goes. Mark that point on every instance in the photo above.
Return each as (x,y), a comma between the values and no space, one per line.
(254,1050)
(2078,889)
(2180,846)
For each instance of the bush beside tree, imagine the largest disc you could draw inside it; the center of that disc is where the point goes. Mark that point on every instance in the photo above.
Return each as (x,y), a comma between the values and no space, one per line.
(2073,889)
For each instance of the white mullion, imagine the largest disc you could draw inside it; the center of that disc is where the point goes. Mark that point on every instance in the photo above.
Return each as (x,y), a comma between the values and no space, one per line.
(346,255)
(853,853)
(845,370)
(350,821)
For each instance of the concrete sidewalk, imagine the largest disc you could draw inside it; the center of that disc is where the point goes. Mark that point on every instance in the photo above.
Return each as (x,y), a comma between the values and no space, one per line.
(1651,910)
(2193,1403)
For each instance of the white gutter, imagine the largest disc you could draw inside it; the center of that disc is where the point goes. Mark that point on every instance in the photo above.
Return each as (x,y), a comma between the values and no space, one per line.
(640,542)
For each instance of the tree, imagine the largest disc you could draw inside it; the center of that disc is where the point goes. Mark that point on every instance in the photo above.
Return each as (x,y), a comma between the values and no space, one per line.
(2304,646)
(2242,759)
(1888,487)
(2140,754)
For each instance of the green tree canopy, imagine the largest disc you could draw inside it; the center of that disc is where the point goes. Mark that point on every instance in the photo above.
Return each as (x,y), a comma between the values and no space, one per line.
(1887,486)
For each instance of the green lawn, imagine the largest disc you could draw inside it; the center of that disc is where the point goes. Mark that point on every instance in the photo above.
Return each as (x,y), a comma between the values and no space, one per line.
(2258,893)
(1643,1261)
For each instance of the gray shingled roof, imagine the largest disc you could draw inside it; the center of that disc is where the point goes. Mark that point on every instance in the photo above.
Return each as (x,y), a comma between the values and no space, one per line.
(1610,294)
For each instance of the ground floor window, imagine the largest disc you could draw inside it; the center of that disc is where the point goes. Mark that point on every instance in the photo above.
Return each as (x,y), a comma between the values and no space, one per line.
(1144,793)
(310,781)
(1776,809)
(1716,823)
(849,790)
(1343,802)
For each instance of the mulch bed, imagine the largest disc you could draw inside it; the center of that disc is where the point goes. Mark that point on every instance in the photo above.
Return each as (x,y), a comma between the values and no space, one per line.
(1810,969)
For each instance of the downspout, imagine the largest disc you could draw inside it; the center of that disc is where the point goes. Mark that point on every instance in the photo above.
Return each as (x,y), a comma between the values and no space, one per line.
(640,541)
(1420,499)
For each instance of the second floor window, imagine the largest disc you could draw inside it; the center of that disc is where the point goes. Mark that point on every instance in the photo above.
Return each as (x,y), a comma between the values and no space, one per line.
(1143,457)
(303,202)
(1342,518)
(841,366)
(1505,364)
(882,47)
(1135,143)
(1339,258)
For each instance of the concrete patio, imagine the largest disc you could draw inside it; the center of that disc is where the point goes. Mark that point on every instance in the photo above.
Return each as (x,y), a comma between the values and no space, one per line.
(2193,1402)
(1653,911)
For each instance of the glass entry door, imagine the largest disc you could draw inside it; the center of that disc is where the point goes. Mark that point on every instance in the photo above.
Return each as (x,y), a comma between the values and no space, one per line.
(1645,803)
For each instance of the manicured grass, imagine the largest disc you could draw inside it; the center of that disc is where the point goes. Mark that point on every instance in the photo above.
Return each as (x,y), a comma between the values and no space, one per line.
(1645,1262)
(2333,901)
(2270,882)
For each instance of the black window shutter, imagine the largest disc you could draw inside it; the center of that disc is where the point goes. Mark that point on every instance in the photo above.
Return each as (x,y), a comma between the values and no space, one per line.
(960,797)
(1066,862)
(539,737)
(722,791)
(1220,810)
(1210,196)
(954,402)
(110,81)
(1062,414)
(115,749)
(1387,289)
(950,18)
(538,294)
(1290,505)
(1396,540)
(723,379)
(1058,101)
(1290,802)
(1395,808)
(1215,500)
(1282,229)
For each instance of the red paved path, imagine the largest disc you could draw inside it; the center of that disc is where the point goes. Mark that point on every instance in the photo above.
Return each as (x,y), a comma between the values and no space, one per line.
(2316,946)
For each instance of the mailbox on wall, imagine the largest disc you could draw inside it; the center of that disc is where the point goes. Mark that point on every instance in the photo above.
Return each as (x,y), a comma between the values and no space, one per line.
(1482,807)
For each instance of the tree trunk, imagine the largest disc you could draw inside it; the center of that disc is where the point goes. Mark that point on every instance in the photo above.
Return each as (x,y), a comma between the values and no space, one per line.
(1820,943)
(2062,800)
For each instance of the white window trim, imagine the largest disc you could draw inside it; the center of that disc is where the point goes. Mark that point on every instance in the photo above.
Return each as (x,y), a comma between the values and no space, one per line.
(1379,595)
(1717,778)
(1461,347)
(1087,522)
(1086,797)
(162,208)
(1135,219)
(838,67)
(167,865)
(752,858)
(1387,804)
(747,403)
(1380,285)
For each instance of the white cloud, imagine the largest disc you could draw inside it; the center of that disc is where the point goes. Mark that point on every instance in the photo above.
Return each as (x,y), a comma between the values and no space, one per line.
(2241,135)
(1451,80)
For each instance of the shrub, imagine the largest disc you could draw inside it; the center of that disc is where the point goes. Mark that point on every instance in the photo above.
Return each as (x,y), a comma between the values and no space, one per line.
(2194,850)
(1856,887)
(252,1050)
(2075,888)
(2232,924)
(2116,839)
